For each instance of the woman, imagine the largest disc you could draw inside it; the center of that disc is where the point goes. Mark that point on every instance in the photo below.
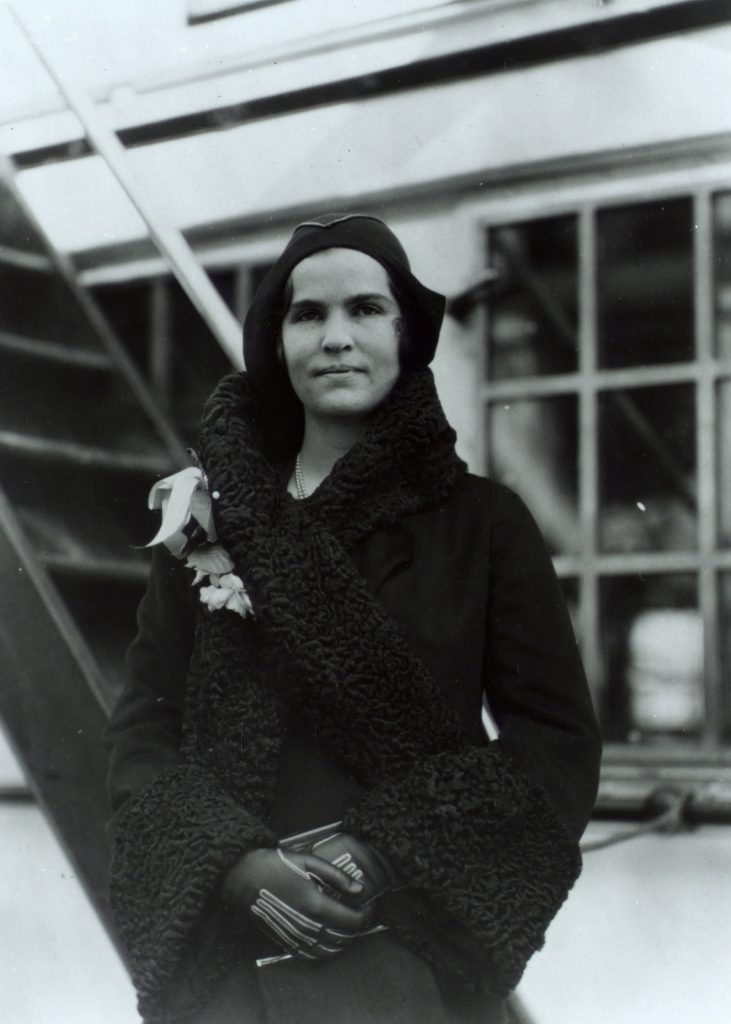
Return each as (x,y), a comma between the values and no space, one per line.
(383,593)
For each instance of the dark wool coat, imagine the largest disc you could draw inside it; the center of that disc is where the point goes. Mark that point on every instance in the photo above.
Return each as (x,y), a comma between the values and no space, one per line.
(471,588)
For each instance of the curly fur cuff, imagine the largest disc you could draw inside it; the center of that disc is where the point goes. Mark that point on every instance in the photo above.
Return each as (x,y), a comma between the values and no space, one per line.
(484,842)
(179,835)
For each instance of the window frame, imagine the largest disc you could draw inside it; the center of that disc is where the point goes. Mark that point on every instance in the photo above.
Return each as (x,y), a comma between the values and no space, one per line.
(631,773)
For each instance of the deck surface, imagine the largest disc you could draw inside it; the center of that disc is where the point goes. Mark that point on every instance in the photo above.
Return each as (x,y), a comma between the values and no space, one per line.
(57,964)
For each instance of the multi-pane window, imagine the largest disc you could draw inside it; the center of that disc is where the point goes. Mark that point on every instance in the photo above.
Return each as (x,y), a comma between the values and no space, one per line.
(608,407)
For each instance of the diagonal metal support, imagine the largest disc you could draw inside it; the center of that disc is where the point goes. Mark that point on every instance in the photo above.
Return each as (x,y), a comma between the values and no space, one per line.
(169,240)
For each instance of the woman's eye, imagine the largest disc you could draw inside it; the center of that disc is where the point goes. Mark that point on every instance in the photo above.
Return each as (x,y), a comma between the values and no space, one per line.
(304,315)
(368,309)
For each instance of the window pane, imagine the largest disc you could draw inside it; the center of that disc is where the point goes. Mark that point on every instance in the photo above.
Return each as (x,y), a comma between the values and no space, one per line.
(645,284)
(652,635)
(533,449)
(724,462)
(647,466)
(725,600)
(533,315)
(722,267)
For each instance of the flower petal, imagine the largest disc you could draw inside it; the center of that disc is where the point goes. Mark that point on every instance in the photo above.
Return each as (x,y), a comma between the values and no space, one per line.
(202,511)
(236,604)
(214,597)
(212,559)
(173,495)
(232,582)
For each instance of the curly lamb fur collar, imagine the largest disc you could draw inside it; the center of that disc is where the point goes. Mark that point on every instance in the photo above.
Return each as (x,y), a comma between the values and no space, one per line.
(404,464)
(337,657)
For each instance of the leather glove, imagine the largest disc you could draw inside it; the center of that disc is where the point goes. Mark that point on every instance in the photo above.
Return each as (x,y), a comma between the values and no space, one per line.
(359,861)
(309,907)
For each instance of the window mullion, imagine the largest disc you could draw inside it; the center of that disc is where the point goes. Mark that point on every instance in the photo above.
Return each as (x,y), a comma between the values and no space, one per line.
(706,420)
(588,446)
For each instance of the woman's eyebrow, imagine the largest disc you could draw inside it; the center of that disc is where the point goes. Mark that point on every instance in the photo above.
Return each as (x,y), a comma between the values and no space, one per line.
(371,297)
(358,297)
(305,303)
(297,303)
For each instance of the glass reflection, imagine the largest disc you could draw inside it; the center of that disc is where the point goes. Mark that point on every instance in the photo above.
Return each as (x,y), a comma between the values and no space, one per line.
(722,270)
(647,469)
(723,448)
(533,313)
(533,448)
(725,606)
(645,284)
(652,635)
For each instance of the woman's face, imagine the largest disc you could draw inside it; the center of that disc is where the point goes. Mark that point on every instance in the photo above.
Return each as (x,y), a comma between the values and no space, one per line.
(340,334)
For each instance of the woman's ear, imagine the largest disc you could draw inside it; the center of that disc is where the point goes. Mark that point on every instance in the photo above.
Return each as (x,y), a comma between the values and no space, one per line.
(404,344)
(280,353)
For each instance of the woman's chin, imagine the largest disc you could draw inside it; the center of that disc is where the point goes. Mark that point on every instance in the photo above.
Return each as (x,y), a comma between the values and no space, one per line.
(345,401)
(343,405)
(340,413)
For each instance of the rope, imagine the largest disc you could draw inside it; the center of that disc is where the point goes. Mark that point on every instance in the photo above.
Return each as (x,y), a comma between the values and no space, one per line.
(673,818)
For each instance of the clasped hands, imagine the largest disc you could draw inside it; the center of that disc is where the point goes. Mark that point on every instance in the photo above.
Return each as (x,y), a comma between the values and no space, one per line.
(312,904)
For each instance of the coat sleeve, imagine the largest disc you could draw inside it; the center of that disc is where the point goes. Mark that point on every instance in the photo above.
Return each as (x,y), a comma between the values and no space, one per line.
(175,829)
(486,837)
(534,679)
(144,732)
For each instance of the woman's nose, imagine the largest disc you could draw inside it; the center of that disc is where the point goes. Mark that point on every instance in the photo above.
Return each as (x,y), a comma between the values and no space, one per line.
(336,334)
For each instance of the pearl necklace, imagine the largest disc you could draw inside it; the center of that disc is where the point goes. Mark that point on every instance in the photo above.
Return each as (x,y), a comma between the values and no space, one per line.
(299,480)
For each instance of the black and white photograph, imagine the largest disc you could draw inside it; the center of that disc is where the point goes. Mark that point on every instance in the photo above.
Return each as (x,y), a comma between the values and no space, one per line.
(365,511)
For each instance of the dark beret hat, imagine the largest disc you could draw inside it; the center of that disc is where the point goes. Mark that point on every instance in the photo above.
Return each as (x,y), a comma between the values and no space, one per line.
(422,307)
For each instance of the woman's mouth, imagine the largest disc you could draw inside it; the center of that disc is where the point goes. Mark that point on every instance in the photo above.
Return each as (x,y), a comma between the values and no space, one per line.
(337,371)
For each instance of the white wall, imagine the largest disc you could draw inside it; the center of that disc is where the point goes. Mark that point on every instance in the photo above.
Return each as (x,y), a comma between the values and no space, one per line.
(669,90)
(643,938)
(103,45)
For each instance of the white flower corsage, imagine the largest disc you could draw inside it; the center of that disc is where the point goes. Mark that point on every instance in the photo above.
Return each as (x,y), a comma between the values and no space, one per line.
(187,531)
